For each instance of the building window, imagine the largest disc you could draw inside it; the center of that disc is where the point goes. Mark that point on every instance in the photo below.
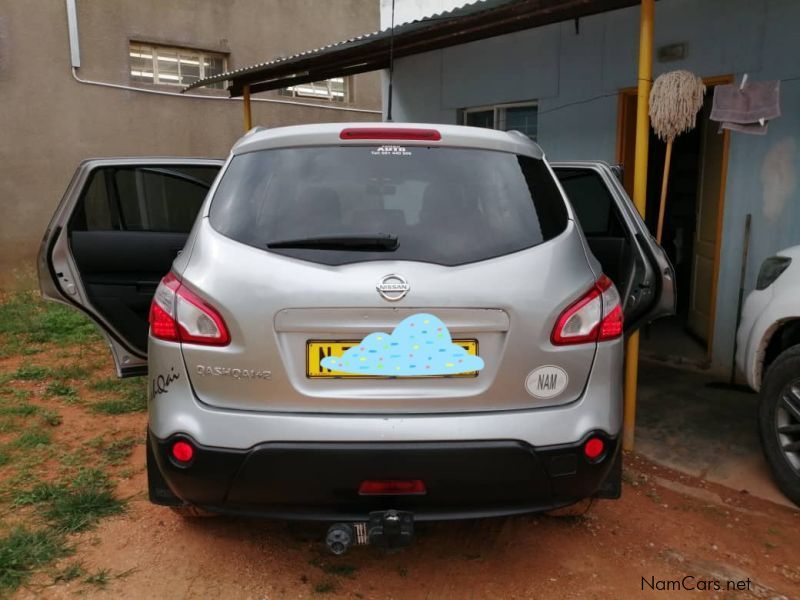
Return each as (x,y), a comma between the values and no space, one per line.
(522,117)
(166,65)
(334,90)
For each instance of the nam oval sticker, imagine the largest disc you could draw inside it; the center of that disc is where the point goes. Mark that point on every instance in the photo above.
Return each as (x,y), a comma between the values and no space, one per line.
(546,382)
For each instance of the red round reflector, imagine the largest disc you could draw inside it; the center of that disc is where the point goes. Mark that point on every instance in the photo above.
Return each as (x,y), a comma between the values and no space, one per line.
(182,451)
(594,448)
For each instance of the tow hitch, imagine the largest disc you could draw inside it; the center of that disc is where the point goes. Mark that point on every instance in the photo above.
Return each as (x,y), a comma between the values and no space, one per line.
(389,529)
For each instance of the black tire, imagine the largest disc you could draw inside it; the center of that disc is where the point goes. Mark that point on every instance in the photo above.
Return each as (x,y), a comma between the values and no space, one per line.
(779,421)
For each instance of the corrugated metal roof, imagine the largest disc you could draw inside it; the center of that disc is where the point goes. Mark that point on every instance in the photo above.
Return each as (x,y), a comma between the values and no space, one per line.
(369,52)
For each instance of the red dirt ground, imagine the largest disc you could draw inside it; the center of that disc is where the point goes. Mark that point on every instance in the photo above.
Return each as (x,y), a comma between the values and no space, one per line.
(665,527)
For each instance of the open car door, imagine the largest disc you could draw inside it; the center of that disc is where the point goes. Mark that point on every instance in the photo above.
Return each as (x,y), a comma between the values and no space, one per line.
(620,241)
(114,235)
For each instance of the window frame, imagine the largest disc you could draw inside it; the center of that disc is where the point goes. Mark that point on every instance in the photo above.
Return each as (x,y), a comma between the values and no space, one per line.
(499,113)
(292,91)
(154,49)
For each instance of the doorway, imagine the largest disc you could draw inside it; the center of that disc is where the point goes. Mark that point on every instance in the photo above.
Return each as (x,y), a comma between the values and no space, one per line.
(692,225)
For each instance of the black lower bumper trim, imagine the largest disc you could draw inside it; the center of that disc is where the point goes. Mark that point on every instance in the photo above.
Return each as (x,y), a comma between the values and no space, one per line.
(320,481)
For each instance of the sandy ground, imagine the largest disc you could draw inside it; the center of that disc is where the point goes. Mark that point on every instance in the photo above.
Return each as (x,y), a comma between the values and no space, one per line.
(666,527)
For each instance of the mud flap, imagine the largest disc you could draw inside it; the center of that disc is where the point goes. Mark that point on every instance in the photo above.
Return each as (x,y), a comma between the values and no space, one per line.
(611,488)
(157,488)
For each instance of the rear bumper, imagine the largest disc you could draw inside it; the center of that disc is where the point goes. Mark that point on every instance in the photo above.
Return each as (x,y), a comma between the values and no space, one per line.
(320,480)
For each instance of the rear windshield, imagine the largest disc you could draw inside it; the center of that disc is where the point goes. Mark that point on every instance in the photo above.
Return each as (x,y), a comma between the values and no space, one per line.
(444,205)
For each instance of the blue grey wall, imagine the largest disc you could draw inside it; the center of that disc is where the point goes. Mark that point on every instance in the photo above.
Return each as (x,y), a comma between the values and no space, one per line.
(576,76)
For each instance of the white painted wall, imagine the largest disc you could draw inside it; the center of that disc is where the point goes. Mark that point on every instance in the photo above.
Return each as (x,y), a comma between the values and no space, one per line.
(575,76)
(411,10)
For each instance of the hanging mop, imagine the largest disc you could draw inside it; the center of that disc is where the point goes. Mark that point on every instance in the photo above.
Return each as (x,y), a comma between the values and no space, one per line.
(675,100)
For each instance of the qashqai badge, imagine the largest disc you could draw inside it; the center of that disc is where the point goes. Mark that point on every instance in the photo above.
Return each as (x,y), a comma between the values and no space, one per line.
(393,287)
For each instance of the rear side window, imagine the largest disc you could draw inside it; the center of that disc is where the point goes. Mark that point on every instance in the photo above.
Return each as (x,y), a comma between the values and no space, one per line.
(157,198)
(445,205)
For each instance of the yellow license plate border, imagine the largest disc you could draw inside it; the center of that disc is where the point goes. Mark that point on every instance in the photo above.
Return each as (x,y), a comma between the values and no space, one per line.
(310,343)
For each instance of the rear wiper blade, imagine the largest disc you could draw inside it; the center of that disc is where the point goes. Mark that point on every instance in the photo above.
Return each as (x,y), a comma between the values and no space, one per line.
(367,242)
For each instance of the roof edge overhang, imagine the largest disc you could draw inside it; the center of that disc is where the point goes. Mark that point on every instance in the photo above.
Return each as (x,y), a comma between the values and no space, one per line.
(480,20)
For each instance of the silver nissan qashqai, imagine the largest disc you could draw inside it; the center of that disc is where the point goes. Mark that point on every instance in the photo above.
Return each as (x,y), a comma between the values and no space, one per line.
(349,321)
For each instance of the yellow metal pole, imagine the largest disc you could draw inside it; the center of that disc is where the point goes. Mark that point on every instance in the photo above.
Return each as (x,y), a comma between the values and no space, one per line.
(248,119)
(639,199)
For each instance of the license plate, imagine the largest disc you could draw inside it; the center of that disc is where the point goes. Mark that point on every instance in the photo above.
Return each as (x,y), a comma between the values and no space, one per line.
(316,350)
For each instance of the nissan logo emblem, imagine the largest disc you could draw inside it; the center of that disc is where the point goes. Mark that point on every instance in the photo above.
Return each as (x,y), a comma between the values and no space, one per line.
(393,287)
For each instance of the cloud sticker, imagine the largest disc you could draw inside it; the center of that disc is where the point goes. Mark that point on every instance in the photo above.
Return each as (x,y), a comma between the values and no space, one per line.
(420,345)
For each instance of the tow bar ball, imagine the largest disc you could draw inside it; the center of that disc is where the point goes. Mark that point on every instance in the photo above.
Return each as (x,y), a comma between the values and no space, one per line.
(390,529)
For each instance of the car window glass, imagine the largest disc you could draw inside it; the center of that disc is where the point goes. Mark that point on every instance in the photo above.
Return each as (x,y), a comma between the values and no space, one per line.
(446,205)
(157,198)
(592,202)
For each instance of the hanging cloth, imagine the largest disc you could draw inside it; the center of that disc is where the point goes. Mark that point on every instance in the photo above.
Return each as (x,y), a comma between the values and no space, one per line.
(747,107)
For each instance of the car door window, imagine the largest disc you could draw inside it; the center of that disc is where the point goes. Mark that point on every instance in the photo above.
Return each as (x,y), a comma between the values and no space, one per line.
(142,199)
(592,202)
(128,225)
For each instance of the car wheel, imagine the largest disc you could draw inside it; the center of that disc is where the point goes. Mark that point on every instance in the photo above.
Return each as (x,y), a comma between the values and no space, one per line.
(779,421)
(188,511)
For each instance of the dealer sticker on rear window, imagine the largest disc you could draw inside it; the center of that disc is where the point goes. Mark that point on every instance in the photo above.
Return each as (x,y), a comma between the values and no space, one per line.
(390,150)
(546,382)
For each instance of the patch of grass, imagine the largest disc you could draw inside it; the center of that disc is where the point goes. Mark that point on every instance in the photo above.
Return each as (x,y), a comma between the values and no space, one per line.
(325,587)
(28,372)
(133,398)
(18,410)
(118,452)
(79,506)
(100,579)
(8,425)
(25,318)
(114,453)
(108,384)
(74,507)
(41,492)
(22,551)
(59,388)
(70,372)
(70,572)
(4,458)
(50,417)
(32,438)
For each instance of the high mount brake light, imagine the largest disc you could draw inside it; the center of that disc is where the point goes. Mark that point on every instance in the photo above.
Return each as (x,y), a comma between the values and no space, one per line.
(594,317)
(390,133)
(179,315)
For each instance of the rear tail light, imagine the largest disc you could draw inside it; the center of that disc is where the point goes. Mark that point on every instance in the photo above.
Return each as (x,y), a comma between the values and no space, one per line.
(179,315)
(390,133)
(595,317)
(392,487)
